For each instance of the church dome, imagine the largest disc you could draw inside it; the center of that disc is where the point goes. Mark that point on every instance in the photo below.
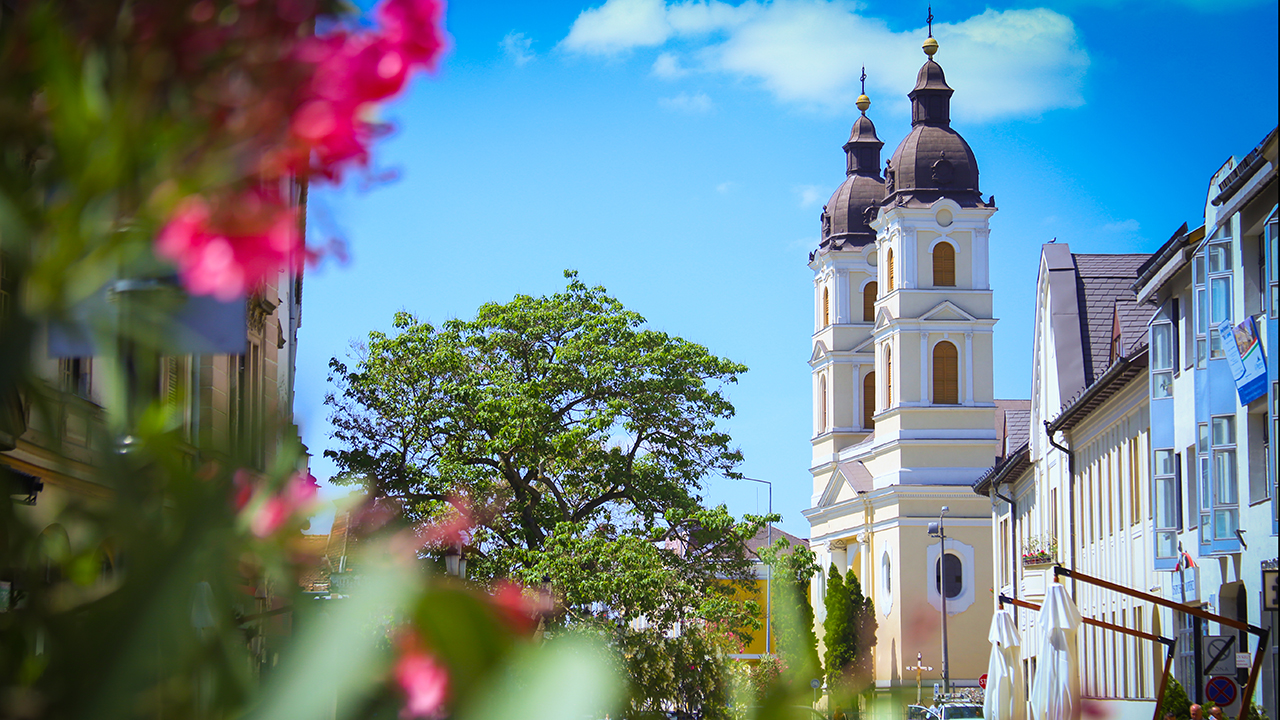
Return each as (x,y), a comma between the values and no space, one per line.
(932,161)
(846,216)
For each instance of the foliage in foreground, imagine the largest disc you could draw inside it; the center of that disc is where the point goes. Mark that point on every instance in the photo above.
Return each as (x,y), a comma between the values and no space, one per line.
(849,635)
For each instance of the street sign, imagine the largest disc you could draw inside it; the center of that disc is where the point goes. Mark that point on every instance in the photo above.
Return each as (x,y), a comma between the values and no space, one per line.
(1218,654)
(1220,690)
(982,681)
(1271,589)
(815,683)
(1244,660)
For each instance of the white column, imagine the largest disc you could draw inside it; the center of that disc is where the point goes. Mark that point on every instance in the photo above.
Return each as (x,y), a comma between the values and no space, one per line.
(817,302)
(968,368)
(908,260)
(841,298)
(924,367)
(981,253)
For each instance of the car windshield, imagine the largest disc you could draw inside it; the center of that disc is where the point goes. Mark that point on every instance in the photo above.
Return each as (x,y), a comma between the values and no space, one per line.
(959,712)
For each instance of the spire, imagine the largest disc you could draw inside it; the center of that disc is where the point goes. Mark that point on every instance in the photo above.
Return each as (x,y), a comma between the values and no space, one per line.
(863,149)
(931,98)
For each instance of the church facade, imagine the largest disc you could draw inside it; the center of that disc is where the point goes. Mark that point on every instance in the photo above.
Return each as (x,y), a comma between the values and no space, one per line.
(904,416)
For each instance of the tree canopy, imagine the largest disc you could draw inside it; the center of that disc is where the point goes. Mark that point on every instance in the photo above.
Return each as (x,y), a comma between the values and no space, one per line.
(579,436)
(849,635)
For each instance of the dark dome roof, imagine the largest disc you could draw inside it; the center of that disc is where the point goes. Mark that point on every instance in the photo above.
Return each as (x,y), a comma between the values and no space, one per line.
(932,161)
(845,223)
(845,216)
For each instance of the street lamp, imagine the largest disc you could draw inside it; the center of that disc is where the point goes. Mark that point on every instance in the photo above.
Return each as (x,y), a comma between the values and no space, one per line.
(936,530)
(455,563)
(768,577)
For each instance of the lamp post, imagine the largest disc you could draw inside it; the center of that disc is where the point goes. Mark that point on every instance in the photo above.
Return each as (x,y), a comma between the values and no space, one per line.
(768,577)
(455,563)
(936,530)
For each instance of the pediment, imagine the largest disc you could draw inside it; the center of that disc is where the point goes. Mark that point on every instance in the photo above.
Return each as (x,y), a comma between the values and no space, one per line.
(948,311)
(867,346)
(883,318)
(847,481)
(819,351)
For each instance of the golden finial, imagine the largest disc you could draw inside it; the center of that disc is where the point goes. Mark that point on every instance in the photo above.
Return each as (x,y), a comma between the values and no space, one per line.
(863,102)
(930,45)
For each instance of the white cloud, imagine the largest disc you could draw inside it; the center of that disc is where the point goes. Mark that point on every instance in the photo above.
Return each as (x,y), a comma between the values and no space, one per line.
(695,103)
(810,195)
(518,47)
(724,187)
(668,66)
(1002,63)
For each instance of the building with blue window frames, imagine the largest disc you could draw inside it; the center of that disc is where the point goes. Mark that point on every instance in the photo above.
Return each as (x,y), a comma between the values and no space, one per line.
(1213,406)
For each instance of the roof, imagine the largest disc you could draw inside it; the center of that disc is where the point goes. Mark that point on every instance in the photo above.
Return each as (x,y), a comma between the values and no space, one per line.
(1131,318)
(761,539)
(1012,417)
(1101,280)
(1111,382)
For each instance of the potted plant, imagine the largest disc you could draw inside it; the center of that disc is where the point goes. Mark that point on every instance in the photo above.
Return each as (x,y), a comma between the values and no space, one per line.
(1040,551)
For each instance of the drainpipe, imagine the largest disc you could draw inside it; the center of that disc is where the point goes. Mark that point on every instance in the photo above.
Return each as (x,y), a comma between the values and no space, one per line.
(1071,498)
(1013,550)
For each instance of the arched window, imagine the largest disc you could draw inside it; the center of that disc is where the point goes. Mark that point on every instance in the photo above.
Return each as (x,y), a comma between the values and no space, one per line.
(889,269)
(869,301)
(868,400)
(822,398)
(949,570)
(888,377)
(944,265)
(826,307)
(946,374)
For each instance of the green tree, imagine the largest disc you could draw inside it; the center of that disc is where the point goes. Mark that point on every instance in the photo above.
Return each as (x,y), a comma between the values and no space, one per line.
(1175,700)
(792,613)
(580,437)
(850,633)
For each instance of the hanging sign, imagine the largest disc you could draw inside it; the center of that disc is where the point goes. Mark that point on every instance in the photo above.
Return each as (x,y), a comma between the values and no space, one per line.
(1244,356)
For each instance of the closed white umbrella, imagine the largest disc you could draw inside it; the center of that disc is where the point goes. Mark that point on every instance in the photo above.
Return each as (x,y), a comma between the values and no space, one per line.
(1004,698)
(1055,690)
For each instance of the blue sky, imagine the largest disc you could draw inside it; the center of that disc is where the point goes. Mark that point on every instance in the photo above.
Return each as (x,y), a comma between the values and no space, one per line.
(679,154)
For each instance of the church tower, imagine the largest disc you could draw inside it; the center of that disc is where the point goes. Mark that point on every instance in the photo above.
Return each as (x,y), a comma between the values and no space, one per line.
(904,413)
(935,412)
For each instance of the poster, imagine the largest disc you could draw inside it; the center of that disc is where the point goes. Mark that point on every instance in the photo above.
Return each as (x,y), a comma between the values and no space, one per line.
(1244,356)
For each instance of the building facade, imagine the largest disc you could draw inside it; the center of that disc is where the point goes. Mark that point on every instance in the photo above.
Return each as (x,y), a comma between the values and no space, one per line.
(904,415)
(1214,402)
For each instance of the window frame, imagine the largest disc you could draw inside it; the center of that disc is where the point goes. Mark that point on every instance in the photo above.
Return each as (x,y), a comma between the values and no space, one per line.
(937,367)
(937,258)
(1162,367)
(1164,500)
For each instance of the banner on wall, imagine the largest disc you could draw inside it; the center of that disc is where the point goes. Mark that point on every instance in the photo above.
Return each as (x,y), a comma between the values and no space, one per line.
(1244,355)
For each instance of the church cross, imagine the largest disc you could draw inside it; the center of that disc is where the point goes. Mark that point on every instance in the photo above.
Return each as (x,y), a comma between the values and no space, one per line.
(864,79)
(930,21)
(919,667)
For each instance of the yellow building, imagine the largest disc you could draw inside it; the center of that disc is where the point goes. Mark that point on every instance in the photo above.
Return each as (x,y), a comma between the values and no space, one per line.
(904,413)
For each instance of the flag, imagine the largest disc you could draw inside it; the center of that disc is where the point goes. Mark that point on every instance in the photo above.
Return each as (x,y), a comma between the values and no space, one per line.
(1184,561)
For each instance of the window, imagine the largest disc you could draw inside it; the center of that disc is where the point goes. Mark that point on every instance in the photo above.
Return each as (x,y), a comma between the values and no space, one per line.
(77,376)
(1226,500)
(1161,360)
(949,570)
(889,269)
(944,265)
(869,301)
(869,400)
(888,377)
(1165,489)
(1271,238)
(946,374)
(822,413)
(1203,489)
(1219,264)
(1202,312)
(826,307)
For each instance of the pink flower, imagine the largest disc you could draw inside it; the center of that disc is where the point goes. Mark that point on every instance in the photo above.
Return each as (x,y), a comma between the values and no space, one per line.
(416,27)
(296,498)
(228,255)
(424,681)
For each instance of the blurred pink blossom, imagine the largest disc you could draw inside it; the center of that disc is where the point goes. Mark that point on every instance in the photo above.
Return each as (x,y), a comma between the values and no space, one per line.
(230,255)
(423,679)
(416,27)
(296,498)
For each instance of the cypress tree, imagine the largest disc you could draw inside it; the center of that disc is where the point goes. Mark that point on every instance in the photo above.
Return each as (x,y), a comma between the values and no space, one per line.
(836,634)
